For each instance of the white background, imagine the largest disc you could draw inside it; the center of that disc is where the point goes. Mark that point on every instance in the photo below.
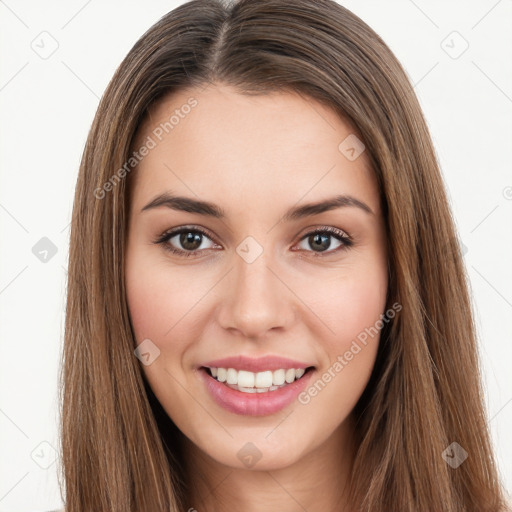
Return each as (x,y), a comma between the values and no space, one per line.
(47,106)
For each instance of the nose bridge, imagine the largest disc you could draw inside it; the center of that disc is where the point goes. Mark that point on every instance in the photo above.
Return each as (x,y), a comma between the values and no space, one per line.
(257,299)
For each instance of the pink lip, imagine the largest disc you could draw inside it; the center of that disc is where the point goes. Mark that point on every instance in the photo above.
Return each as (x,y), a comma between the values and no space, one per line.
(253,404)
(259,364)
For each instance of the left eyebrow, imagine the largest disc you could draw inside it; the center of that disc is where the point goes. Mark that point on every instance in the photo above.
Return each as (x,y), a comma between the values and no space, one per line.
(206,208)
(311,209)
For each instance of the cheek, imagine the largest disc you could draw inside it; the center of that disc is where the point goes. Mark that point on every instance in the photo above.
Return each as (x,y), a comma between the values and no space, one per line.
(158,298)
(166,306)
(351,304)
(359,306)
(352,307)
(354,314)
(149,305)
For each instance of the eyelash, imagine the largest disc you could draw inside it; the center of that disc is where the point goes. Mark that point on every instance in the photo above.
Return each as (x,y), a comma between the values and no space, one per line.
(336,233)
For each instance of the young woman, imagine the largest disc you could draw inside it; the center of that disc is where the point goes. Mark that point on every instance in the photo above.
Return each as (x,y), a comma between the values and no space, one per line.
(267,305)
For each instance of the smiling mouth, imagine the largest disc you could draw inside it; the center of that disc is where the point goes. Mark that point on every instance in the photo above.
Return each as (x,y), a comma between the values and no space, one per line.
(256,382)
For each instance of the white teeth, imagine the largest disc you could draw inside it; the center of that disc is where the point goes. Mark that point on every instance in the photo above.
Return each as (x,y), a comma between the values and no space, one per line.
(260,382)
(299,372)
(278,378)
(254,390)
(245,390)
(290,375)
(232,376)
(263,380)
(245,379)
(222,374)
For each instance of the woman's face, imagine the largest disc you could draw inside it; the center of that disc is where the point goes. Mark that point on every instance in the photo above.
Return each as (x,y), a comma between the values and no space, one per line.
(252,293)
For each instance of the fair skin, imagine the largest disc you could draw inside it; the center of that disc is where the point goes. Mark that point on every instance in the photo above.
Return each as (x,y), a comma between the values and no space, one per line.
(256,157)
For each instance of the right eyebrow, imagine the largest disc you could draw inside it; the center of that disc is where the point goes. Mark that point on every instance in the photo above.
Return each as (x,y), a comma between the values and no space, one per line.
(185,204)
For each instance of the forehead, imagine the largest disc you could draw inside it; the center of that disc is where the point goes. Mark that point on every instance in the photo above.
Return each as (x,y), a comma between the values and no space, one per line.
(216,141)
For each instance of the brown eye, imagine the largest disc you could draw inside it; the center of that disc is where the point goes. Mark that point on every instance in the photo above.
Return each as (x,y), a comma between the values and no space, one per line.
(320,241)
(185,241)
(190,240)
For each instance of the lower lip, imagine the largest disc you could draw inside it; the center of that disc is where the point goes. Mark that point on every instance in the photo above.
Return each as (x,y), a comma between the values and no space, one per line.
(254,404)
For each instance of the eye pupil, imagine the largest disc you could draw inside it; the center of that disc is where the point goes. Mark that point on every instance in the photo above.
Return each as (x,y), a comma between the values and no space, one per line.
(192,238)
(319,239)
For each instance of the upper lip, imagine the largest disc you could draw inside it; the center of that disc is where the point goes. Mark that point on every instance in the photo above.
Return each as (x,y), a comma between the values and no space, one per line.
(256,364)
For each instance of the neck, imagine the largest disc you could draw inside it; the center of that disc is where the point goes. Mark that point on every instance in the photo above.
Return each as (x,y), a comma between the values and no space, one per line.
(316,482)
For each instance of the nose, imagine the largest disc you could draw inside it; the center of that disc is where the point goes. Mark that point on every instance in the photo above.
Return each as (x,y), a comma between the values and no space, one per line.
(256,299)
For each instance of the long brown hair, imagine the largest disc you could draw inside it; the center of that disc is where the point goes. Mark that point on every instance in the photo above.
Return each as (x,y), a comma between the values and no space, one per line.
(120,451)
